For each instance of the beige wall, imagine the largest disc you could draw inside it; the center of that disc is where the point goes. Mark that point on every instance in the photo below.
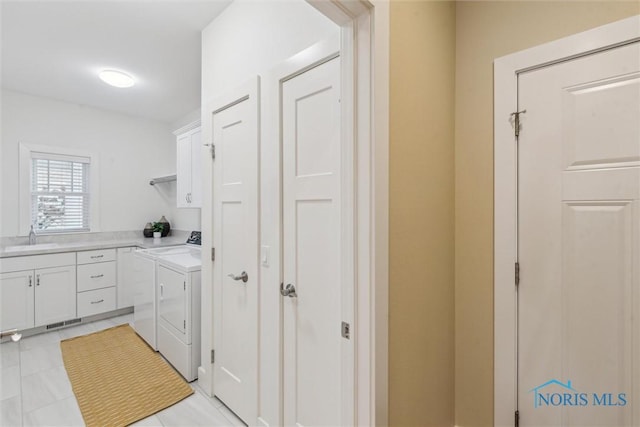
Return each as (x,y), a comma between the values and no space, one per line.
(484,31)
(422,47)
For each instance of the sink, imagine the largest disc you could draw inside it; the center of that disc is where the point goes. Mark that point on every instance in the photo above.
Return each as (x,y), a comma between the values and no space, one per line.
(37,247)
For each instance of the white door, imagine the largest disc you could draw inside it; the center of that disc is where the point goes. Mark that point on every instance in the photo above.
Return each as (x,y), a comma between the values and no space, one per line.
(235,269)
(579,242)
(313,346)
(16,300)
(55,295)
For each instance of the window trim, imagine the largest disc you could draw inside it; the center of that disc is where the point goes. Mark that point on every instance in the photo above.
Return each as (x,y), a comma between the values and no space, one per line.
(26,151)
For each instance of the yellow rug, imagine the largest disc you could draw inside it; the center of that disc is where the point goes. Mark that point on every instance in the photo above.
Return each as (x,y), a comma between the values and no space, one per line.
(118,379)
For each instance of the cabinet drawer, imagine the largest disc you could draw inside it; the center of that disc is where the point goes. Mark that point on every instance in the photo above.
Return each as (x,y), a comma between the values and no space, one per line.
(96,276)
(98,301)
(100,255)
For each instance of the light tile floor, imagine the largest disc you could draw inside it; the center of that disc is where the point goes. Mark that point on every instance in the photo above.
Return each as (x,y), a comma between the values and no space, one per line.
(35,389)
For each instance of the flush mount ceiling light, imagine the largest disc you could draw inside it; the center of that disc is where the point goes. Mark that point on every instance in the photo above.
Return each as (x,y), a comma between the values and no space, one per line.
(116,78)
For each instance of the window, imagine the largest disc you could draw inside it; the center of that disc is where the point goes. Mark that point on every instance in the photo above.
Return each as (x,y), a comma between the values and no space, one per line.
(58,190)
(59,193)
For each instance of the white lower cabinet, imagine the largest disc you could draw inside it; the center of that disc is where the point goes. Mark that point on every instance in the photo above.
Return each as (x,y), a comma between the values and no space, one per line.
(54,295)
(40,290)
(37,290)
(16,300)
(96,282)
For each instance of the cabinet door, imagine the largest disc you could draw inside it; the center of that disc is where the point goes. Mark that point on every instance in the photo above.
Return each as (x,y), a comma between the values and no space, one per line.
(55,295)
(16,300)
(126,278)
(196,170)
(183,170)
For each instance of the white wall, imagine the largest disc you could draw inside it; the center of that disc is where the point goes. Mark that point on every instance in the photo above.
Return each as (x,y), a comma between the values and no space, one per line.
(131,150)
(249,38)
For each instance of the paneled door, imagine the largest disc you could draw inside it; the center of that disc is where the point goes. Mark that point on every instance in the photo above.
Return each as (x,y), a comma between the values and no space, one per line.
(55,294)
(235,269)
(579,241)
(314,355)
(16,300)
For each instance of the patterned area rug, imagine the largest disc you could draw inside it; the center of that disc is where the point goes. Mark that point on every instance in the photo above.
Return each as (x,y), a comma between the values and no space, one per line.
(118,379)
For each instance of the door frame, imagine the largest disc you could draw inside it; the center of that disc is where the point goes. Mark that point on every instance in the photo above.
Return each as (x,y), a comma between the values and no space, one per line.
(506,71)
(365,86)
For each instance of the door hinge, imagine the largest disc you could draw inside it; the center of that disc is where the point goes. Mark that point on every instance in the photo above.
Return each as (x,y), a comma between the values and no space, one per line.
(212,148)
(346,330)
(184,285)
(213,254)
(184,324)
(517,273)
(516,121)
(213,356)
(517,419)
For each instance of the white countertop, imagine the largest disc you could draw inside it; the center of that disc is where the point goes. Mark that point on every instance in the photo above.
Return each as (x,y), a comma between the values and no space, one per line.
(52,248)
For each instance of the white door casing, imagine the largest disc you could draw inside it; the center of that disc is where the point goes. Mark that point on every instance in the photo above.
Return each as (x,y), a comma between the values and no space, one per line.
(592,213)
(235,127)
(578,240)
(313,356)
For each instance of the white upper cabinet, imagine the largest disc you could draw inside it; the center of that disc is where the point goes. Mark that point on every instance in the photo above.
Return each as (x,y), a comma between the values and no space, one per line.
(189,168)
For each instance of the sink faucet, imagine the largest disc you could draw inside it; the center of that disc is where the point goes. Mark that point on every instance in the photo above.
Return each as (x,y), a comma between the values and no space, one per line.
(32,237)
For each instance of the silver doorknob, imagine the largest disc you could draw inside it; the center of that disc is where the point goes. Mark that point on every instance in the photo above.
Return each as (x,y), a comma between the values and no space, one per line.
(289,291)
(243,276)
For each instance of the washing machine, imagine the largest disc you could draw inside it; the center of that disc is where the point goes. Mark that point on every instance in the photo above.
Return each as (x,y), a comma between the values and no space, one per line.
(145,299)
(179,290)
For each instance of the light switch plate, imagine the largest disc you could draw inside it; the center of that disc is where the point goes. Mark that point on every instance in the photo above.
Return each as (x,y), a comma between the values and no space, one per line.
(264,255)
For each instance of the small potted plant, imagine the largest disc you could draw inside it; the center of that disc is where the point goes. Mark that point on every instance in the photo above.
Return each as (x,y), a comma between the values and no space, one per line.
(158,227)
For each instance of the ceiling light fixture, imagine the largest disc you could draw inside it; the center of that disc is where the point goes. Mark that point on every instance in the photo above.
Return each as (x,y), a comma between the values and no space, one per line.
(116,78)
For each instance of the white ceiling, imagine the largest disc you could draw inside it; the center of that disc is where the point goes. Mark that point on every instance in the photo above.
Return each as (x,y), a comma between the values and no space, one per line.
(55,49)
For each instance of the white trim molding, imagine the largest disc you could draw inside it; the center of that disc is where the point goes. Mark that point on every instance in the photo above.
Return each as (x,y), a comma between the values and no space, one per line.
(506,70)
(186,128)
(366,70)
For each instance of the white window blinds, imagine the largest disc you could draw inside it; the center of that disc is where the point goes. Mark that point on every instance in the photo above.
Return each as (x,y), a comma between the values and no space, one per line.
(59,193)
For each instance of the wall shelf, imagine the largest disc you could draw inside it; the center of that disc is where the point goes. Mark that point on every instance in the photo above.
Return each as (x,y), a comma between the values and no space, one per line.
(162,179)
